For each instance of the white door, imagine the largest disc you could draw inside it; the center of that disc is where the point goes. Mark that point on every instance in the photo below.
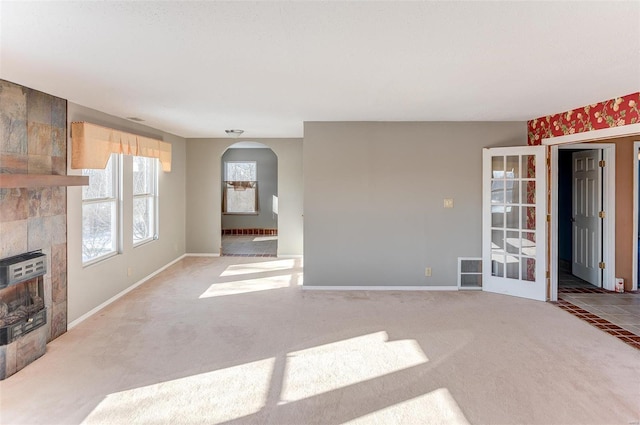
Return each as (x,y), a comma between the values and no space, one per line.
(513,221)
(587,225)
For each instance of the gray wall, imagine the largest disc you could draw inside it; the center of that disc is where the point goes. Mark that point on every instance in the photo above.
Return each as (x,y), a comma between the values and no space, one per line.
(204,194)
(93,285)
(267,167)
(373,199)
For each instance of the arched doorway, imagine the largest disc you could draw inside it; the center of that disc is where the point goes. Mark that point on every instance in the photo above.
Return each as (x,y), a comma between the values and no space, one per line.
(249,219)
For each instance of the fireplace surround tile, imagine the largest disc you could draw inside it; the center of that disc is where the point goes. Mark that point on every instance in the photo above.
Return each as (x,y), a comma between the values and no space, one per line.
(8,359)
(13,205)
(59,114)
(39,106)
(40,164)
(47,201)
(30,347)
(39,136)
(58,273)
(58,142)
(14,238)
(59,165)
(46,231)
(58,319)
(14,163)
(13,118)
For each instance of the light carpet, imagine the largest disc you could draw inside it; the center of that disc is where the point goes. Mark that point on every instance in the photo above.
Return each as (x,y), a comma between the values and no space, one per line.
(237,341)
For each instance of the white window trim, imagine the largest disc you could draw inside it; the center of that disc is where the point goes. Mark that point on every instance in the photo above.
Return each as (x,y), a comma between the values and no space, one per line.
(155,214)
(117,199)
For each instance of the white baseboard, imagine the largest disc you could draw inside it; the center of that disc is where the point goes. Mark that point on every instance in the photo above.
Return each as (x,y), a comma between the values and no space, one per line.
(204,254)
(290,256)
(120,294)
(380,288)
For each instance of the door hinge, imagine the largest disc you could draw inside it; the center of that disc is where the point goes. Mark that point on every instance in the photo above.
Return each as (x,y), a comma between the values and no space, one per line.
(548,275)
(549,218)
(601,265)
(602,163)
(602,214)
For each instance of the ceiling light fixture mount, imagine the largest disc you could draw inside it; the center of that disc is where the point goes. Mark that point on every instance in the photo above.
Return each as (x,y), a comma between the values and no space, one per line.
(234,133)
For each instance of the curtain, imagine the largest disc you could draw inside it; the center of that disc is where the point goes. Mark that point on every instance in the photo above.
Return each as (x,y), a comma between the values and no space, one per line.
(93,144)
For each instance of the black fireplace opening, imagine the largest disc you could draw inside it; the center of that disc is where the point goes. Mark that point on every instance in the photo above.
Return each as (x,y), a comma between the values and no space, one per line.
(22,307)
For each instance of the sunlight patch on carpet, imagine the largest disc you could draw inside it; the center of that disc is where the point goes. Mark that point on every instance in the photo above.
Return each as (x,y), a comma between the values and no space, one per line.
(436,407)
(332,366)
(211,397)
(261,267)
(246,286)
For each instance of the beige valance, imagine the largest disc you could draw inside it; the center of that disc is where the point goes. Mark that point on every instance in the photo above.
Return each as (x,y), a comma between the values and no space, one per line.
(93,144)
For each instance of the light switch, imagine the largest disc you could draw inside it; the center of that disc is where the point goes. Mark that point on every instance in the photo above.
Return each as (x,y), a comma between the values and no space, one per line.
(448,203)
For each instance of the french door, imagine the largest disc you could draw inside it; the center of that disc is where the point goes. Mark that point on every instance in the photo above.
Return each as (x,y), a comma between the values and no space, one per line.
(514,221)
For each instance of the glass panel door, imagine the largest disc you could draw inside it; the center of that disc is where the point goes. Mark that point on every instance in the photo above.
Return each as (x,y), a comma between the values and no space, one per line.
(514,211)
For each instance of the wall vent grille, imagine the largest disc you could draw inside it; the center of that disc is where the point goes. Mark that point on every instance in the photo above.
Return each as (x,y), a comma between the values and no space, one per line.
(469,273)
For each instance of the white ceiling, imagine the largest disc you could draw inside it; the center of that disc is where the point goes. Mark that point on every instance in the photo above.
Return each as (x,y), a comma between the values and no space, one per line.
(197,68)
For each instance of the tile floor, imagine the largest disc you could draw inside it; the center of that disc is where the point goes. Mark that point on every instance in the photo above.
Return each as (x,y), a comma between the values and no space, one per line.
(249,246)
(614,313)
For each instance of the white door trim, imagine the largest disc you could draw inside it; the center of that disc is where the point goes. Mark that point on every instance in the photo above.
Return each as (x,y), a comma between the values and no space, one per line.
(609,205)
(636,209)
(594,135)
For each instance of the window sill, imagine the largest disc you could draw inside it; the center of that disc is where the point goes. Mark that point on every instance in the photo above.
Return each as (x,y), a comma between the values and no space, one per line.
(145,241)
(99,260)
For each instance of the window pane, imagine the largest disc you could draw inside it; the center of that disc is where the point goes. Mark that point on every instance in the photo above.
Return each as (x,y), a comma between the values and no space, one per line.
(143,175)
(100,182)
(529,269)
(239,201)
(529,164)
(98,229)
(241,171)
(513,163)
(513,217)
(497,165)
(513,267)
(143,219)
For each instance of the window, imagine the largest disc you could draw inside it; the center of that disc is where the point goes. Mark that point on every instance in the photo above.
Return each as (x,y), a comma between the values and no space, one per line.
(100,206)
(144,199)
(240,188)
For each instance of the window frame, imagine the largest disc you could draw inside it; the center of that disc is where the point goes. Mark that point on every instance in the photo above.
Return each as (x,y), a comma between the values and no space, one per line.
(153,196)
(116,200)
(225,188)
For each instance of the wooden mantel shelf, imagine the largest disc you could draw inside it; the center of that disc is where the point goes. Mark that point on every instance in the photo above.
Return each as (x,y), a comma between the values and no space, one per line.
(10,181)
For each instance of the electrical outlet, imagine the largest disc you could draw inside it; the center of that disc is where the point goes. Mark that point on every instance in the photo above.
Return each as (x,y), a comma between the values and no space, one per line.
(129,271)
(448,203)
(427,272)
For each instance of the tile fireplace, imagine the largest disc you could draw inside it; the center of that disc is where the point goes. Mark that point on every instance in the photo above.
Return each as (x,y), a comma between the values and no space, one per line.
(22,311)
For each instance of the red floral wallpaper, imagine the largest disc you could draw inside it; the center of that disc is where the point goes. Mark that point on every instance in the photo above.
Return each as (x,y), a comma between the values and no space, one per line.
(611,113)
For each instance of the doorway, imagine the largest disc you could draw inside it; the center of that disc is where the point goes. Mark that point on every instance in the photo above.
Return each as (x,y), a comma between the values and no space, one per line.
(249,220)
(607,154)
(580,230)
